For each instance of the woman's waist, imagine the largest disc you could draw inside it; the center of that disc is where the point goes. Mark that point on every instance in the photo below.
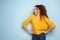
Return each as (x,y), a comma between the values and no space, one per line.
(39,27)
(38,31)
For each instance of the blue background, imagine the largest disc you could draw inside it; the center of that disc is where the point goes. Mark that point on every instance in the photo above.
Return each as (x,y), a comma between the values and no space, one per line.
(14,12)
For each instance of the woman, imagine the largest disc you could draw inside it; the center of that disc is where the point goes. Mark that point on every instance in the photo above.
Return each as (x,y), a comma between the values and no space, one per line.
(40,22)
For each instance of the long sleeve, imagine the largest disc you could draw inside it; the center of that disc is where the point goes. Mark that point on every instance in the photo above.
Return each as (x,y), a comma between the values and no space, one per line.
(49,22)
(27,21)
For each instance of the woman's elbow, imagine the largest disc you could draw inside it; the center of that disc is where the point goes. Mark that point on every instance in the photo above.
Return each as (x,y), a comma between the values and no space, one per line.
(53,27)
(23,25)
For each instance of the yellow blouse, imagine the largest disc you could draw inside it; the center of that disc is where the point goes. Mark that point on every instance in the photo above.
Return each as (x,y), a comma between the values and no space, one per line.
(38,24)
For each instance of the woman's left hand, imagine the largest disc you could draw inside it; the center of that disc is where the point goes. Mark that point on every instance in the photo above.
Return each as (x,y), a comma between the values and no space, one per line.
(43,31)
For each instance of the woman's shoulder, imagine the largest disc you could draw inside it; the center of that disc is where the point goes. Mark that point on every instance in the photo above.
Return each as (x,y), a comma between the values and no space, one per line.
(45,16)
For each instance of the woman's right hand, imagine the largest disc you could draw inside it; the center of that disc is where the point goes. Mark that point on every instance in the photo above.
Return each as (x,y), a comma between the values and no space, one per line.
(31,32)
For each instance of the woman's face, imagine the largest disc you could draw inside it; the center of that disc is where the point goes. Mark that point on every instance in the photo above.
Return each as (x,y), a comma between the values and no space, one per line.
(36,10)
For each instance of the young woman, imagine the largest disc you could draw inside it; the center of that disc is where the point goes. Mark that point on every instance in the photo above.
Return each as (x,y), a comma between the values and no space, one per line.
(40,22)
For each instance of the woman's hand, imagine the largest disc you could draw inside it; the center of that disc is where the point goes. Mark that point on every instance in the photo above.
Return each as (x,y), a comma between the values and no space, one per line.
(43,31)
(31,32)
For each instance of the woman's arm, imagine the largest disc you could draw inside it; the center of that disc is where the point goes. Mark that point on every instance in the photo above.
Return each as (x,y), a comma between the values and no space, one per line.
(29,31)
(50,23)
(50,29)
(24,24)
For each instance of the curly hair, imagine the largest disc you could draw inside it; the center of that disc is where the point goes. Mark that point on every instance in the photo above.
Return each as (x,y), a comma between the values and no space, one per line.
(43,10)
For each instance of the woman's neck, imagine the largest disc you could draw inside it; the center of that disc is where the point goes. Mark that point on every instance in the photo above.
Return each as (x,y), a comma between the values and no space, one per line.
(38,15)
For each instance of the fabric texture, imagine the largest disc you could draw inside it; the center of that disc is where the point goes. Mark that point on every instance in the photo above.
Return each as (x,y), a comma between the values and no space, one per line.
(38,24)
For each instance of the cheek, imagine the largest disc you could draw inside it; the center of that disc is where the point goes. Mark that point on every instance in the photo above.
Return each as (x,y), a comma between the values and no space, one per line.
(35,10)
(36,13)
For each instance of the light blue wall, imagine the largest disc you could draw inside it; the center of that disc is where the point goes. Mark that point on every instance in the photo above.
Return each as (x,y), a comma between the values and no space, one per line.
(14,12)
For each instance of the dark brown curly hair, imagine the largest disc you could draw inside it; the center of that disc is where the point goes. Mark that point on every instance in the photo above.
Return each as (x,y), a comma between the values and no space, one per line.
(43,11)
